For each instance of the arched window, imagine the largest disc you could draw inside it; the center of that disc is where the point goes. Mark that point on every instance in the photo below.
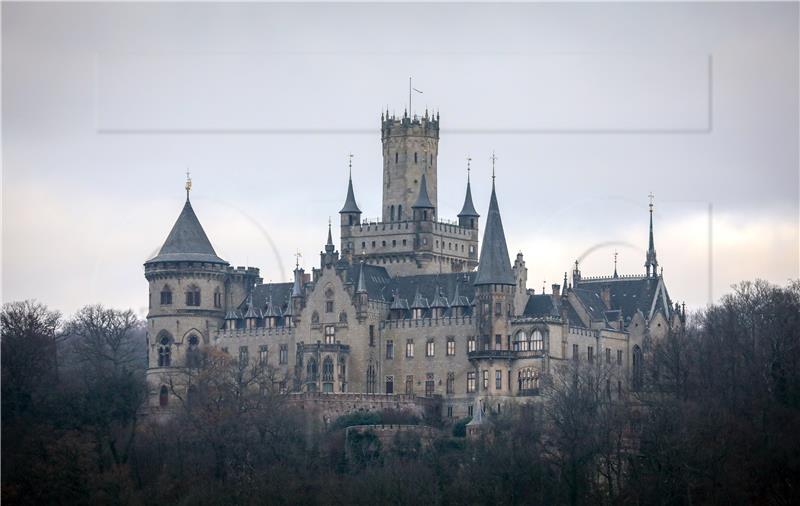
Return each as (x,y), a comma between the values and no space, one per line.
(637,367)
(164,351)
(396,156)
(314,318)
(343,317)
(327,369)
(528,380)
(163,396)
(415,157)
(166,296)
(537,341)
(311,369)
(371,379)
(521,342)
(399,212)
(391,213)
(217,298)
(193,296)
(193,351)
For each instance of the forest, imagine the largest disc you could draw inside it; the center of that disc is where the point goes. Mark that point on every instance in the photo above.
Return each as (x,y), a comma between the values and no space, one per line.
(715,421)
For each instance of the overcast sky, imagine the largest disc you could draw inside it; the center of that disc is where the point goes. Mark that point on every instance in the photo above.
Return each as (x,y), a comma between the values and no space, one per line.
(589,108)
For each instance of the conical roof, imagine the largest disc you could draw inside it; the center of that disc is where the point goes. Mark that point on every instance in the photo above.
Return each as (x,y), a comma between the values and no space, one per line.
(439,300)
(350,205)
(420,302)
(423,201)
(468,209)
(362,283)
(187,241)
(494,266)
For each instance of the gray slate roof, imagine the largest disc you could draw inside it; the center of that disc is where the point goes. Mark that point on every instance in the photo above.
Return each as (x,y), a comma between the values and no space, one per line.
(423,201)
(494,266)
(540,306)
(468,209)
(187,241)
(350,205)
(627,294)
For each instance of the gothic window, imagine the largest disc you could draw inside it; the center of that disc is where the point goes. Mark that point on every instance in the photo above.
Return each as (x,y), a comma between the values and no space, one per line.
(451,382)
(409,348)
(283,357)
(311,369)
(330,334)
(451,346)
(389,384)
(521,341)
(192,352)
(327,369)
(498,309)
(244,356)
(498,379)
(314,318)
(389,349)
(329,306)
(410,385)
(193,296)
(163,396)
(619,357)
(637,367)
(485,382)
(400,213)
(263,354)
(590,354)
(430,348)
(429,384)
(372,335)
(396,157)
(166,296)
(471,344)
(370,379)
(217,298)
(608,355)
(575,352)
(471,382)
(165,351)
(342,317)
(342,374)
(391,213)
(415,157)
(537,342)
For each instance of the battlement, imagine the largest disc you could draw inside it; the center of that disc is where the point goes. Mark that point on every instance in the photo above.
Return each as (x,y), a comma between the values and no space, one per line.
(447,321)
(254,332)
(622,277)
(422,126)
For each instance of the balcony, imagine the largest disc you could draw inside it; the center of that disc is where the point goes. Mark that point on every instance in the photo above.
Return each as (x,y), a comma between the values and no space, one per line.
(329,347)
(504,354)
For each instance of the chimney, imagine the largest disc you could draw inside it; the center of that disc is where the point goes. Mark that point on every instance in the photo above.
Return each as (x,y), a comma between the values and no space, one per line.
(556,290)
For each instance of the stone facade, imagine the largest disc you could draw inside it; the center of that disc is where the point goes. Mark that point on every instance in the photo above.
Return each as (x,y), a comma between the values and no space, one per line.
(402,315)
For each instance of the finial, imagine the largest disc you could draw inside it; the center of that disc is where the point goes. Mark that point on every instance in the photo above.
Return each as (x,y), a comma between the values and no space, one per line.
(494,159)
(576,264)
(544,285)
(615,264)
(188,184)
(297,256)
(651,197)
(565,280)
(468,167)
(350,164)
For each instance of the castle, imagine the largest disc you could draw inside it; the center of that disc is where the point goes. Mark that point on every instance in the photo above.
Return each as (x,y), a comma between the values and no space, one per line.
(407,309)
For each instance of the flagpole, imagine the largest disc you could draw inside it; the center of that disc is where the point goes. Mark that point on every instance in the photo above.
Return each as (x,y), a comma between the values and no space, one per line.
(409,96)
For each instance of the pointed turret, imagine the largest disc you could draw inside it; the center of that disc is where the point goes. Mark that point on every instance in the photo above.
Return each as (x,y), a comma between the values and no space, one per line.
(350,206)
(651,264)
(468,209)
(187,241)
(494,266)
(362,282)
(423,201)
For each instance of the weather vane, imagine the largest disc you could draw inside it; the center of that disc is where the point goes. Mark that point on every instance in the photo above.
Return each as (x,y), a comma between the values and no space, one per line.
(188,183)
(297,257)
(651,197)
(493,159)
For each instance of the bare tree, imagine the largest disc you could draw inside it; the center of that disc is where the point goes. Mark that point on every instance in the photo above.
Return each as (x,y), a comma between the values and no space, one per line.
(106,340)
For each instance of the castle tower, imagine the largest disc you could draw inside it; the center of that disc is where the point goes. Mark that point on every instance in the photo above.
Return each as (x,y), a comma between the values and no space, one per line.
(410,149)
(190,287)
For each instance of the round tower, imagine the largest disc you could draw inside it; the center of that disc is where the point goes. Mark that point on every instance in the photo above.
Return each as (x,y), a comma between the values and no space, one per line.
(410,149)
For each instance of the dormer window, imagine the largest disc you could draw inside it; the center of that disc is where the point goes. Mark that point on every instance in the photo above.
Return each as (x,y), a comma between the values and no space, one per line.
(193,296)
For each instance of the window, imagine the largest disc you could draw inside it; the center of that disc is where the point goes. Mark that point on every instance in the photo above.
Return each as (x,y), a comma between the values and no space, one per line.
(498,340)
(521,341)
(373,244)
(471,344)
(498,309)
(327,369)
(314,318)
(429,384)
(637,367)
(363,245)
(217,298)
(330,334)
(389,384)
(396,156)
(470,382)
(371,379)
(193,296)
(485,382)
(575,352)
(192,353)
(390,349)
(451,383)
(537,342)
(163,396)
(498,379)
(244,355)
(404,242)
(329,306)
(608,355)
(429,348)
(400,214)
(409,385)
(283,357)
(469,410)
(449,411)
(528,379)
(391,213)
(343,317)
(165,352)
(619,357)
(409,348)
(372,335)
(415,157)
(451,346)
(311,369)
(166,296)
(590,354)
(262,354)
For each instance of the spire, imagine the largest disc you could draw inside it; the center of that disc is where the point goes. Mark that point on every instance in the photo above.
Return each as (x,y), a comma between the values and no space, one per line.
(494,267)
(423,201)
(651,264)
(350,205)
(565,281)
(362,284)
(615,264)
(187,241)
(297,287)
(329,247)
(468,209)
